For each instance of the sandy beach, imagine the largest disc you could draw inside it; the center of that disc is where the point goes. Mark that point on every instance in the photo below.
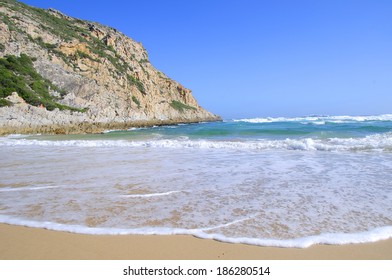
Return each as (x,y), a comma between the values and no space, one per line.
(18,242)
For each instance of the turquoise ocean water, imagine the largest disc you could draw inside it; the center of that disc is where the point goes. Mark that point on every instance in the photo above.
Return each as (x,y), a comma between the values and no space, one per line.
(288,182)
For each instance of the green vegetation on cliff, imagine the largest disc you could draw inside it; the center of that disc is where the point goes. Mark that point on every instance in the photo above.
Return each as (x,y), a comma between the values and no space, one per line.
(179,106)
(133,81)
(69,29)
(5,102)
(17,74)
(80,63)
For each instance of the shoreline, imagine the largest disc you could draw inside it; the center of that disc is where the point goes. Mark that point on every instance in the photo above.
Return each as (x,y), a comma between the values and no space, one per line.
(19,242)
(95,127)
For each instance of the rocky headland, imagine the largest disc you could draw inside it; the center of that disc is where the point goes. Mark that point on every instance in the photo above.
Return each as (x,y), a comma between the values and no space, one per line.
(60,74)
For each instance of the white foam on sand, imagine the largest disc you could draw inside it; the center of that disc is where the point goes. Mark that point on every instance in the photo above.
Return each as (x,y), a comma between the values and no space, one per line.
(148,194)
(27,189)
(377,234)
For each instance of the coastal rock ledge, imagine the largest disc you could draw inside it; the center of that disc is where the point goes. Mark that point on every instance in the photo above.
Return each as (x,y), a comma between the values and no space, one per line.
(60,74)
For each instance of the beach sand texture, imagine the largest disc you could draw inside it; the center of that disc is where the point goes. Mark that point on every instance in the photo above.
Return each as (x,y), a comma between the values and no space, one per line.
(18,243)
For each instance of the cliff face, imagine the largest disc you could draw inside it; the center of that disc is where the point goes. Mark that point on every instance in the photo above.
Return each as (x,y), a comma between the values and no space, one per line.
(88,76)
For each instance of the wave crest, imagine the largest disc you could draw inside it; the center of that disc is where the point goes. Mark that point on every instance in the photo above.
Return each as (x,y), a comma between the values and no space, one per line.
(375,142)
(319,119)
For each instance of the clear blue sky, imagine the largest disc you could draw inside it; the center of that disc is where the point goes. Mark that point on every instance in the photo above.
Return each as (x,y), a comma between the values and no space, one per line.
(262,58)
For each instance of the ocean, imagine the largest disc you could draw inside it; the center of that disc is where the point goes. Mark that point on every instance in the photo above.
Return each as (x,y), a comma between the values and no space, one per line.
(286,182)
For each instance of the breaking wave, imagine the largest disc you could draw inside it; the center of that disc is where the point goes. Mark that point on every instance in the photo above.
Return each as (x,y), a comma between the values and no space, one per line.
(319,119)
(375,142)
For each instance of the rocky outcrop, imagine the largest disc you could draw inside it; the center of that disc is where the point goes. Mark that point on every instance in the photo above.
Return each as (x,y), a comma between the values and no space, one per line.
(93,67)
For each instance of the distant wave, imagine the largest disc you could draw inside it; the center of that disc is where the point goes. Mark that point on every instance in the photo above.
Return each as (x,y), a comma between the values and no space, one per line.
(375,142)
(319,119)
(377,234)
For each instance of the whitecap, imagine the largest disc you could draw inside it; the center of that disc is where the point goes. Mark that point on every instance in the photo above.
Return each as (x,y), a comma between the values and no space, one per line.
(375,142)
(318,119)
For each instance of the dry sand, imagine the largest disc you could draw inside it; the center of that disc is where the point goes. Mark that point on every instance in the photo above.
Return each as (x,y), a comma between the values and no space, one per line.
(17,242)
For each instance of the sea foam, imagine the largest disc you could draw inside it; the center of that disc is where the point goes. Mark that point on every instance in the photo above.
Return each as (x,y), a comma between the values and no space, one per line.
(148,194)
(26,189)
(319,119)
(375,142)
(373,235)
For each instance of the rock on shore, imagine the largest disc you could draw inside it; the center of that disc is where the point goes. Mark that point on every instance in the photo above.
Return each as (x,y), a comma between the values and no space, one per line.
(91,67)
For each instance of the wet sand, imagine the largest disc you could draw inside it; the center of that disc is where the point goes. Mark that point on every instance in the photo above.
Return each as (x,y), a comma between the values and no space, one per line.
(18,242)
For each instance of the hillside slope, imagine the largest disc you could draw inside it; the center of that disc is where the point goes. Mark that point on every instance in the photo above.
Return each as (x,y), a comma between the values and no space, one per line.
(60,74)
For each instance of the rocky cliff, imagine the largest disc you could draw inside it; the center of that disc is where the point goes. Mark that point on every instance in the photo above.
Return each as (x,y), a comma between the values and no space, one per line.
(64,75)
